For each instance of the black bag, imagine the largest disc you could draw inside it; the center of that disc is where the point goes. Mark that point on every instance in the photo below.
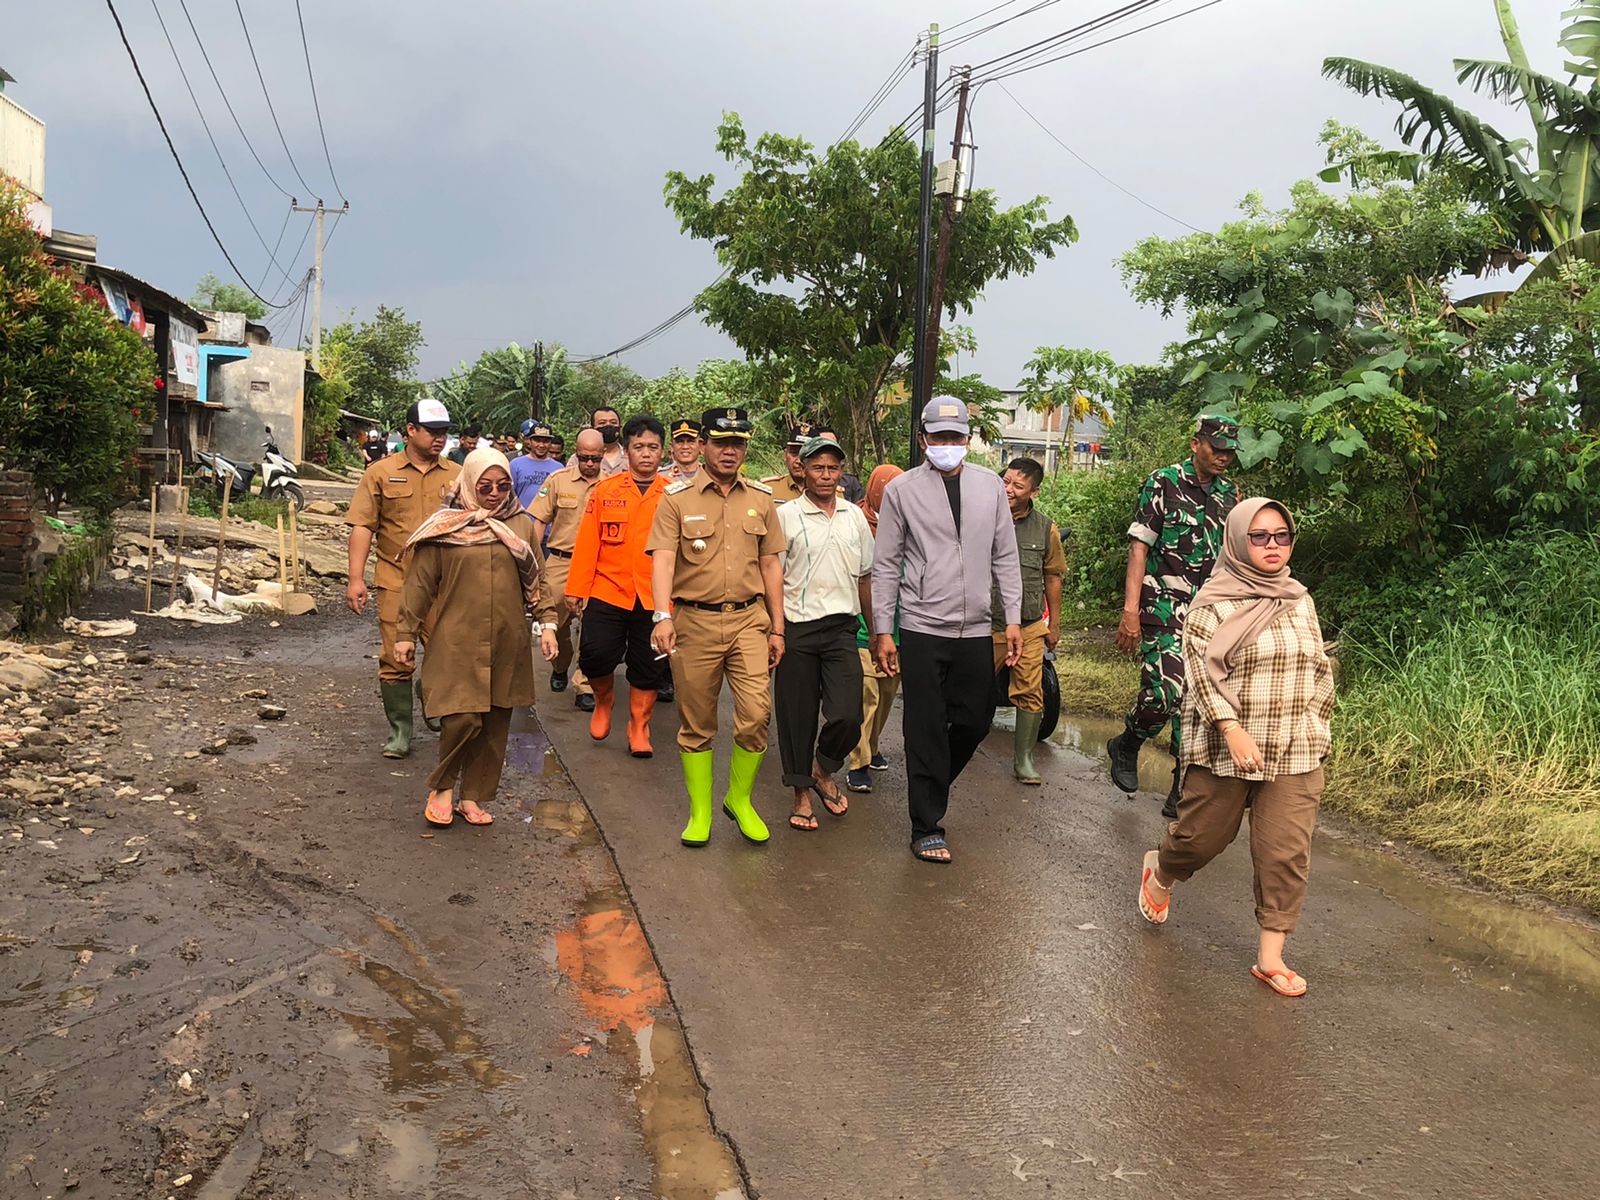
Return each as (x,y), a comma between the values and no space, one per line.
(1052,694)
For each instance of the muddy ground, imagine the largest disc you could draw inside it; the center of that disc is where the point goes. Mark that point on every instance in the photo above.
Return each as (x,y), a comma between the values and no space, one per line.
(235,963)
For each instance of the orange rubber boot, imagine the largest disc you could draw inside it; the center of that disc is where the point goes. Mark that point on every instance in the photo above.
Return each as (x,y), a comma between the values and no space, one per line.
(640,705)
(600,719)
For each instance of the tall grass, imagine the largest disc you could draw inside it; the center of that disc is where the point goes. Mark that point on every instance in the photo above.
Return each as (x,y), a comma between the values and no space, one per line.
(1480,738)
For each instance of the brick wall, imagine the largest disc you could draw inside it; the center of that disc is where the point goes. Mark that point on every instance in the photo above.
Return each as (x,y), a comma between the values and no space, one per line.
(17,539)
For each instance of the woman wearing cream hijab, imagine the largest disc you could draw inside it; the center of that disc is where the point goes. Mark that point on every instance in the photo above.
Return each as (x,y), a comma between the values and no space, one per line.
(1259,698)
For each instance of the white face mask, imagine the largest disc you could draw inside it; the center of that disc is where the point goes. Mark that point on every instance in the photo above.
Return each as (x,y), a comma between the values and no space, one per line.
(946,458)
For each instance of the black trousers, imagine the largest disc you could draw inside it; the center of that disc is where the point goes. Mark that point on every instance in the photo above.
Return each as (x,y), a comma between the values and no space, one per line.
(611,634)
(820,663)
(947,694)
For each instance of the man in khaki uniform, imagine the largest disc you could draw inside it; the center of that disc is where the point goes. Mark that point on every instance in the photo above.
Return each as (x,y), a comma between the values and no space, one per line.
(715,542)
(395,495)
(685,464)
(558,509)
(792,484)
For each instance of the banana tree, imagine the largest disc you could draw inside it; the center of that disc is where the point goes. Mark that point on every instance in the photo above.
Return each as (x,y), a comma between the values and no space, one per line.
(1549,186)
(1080,383)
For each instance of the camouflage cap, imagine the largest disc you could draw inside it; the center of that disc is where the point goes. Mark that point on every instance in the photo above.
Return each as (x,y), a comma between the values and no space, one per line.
(1218,429)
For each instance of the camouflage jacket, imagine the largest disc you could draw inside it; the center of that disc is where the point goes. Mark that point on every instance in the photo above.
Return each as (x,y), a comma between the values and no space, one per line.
(1182,524)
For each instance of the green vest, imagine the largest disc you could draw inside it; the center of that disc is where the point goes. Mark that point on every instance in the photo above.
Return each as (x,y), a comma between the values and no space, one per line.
(1033,539)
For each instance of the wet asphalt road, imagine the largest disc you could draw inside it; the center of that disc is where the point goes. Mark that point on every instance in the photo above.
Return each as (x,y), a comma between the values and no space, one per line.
(870,1026)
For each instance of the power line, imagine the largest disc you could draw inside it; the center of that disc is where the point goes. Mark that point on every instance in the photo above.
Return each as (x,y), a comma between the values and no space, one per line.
(979,16)
(295,257)
(1132,195)
(193,195)
(273,112)
(1044,45)
(977,33)
(272,258)
(228,104)
(282,229)
(315,103)
(900,70)
(1096,45)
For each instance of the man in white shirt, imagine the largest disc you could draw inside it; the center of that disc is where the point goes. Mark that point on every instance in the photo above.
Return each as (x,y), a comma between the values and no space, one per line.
(827,570)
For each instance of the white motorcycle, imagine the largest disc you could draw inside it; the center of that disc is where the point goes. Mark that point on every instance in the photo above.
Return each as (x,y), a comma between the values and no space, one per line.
(279,475)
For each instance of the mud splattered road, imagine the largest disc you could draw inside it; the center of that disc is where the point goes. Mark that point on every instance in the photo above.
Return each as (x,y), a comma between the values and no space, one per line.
(238,965)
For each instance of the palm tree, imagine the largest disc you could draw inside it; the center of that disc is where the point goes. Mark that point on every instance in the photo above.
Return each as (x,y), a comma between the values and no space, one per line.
(1550,187)
(1080,382)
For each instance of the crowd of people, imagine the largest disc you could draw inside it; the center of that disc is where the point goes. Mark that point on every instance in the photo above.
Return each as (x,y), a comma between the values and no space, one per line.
(812,597)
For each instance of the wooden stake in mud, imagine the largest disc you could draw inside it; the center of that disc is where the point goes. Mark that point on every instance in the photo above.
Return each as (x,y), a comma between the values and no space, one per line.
(150,562)
(222,540)
(183,520)
(283,569)
(294,546)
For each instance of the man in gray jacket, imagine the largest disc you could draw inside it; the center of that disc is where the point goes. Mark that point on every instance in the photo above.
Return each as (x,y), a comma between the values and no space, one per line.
(945,546)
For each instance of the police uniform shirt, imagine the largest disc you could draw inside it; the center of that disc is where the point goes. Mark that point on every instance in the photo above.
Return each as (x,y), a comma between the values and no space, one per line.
(784,488)
(559,506)
(718,540)
(395,496)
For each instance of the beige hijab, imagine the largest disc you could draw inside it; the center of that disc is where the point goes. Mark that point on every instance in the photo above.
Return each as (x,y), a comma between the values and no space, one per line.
(1270,593)
(463,521)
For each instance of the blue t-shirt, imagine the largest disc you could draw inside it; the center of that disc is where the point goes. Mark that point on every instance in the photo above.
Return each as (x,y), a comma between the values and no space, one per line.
(528,476)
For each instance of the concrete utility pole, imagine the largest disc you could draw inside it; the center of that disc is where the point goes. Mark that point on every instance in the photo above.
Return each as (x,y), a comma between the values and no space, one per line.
(919,394)
(947,231)
(316,298)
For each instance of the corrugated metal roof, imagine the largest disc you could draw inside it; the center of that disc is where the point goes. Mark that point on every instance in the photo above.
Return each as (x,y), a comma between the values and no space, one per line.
(171,303)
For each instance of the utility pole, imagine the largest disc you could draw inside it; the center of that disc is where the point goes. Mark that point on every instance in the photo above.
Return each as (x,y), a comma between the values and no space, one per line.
(947,230)
(316,297)
(919,393)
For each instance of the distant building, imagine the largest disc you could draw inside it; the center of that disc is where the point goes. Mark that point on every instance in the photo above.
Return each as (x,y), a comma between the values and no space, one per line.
(1024,433)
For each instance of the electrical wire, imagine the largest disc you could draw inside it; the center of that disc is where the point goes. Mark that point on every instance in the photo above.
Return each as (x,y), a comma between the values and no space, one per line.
(272,254)
(316,104)
(267,274)
(1045,45)
(1108,41)
(978,16)
(294,258)
(977,33)
(897,73)
(193,195)
(273,112)
(1125,191)
(183,4)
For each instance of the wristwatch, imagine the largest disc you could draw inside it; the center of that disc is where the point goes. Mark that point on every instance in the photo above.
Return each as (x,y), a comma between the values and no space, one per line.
(657,617)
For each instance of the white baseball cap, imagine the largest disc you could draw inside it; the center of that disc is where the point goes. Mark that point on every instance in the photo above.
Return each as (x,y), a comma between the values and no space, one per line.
(429,414)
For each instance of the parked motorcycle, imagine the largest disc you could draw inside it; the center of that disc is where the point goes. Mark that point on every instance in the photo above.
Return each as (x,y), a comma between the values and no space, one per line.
(237,477)
(279,475)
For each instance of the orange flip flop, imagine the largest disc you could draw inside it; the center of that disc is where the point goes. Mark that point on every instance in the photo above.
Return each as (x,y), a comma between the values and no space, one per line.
(1152,909)
(474,815)
(438,812)
(1287,987)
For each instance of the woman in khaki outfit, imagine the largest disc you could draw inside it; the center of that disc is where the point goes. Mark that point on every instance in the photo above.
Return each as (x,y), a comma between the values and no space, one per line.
(1259,697)
(474,567)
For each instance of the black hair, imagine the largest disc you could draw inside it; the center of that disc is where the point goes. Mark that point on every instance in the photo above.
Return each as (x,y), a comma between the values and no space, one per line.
(1028,468)
(643,423)
(595,415)
(472,431)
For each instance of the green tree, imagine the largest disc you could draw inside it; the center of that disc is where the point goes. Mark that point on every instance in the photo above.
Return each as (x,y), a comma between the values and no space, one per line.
(75,384)
(1081,383)
(211,293)
(378,358)
(1549,186)
(819,252)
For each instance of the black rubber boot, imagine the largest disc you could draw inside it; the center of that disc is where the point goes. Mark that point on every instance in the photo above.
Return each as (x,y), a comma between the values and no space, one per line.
(1169,810)
(1124,753)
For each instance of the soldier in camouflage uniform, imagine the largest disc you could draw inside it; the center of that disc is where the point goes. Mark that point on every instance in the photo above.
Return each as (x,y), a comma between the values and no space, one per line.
(1174,540)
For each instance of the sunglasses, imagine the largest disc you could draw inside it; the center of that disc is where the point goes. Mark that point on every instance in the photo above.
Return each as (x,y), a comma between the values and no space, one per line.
(490,487)
(1260,537)
(590,457)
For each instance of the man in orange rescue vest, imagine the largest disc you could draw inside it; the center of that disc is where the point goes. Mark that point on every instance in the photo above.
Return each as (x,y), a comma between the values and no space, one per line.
(609,583)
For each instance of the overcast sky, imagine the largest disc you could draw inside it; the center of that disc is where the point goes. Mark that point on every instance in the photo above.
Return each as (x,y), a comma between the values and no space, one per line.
(504,160)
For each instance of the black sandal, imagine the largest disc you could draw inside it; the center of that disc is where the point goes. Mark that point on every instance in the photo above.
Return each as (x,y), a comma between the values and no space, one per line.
(794,818)
(828,802)
(924,846)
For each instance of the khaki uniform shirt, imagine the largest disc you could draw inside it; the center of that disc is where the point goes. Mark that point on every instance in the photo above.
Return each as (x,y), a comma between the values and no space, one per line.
(614,460)
(559,505)
(392,499)
(480,653)
(673,473)
(784,488)
(718,540)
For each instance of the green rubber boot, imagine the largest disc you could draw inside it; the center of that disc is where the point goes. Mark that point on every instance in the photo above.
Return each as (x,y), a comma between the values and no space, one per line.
(1027,737)
(741,782)
(432,723)
(697,779)
(397,707)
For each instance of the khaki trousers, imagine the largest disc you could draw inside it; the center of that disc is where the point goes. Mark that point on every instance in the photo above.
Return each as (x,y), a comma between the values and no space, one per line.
(877,701)
(1027,677)
(472,745)
(391,669)
(1283,813)
(568,627)
(713,646)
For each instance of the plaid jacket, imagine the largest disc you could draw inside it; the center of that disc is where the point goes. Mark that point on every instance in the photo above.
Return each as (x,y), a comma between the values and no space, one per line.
(1285,687)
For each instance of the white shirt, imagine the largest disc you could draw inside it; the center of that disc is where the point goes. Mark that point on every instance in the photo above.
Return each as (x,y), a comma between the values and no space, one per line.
(826,559)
